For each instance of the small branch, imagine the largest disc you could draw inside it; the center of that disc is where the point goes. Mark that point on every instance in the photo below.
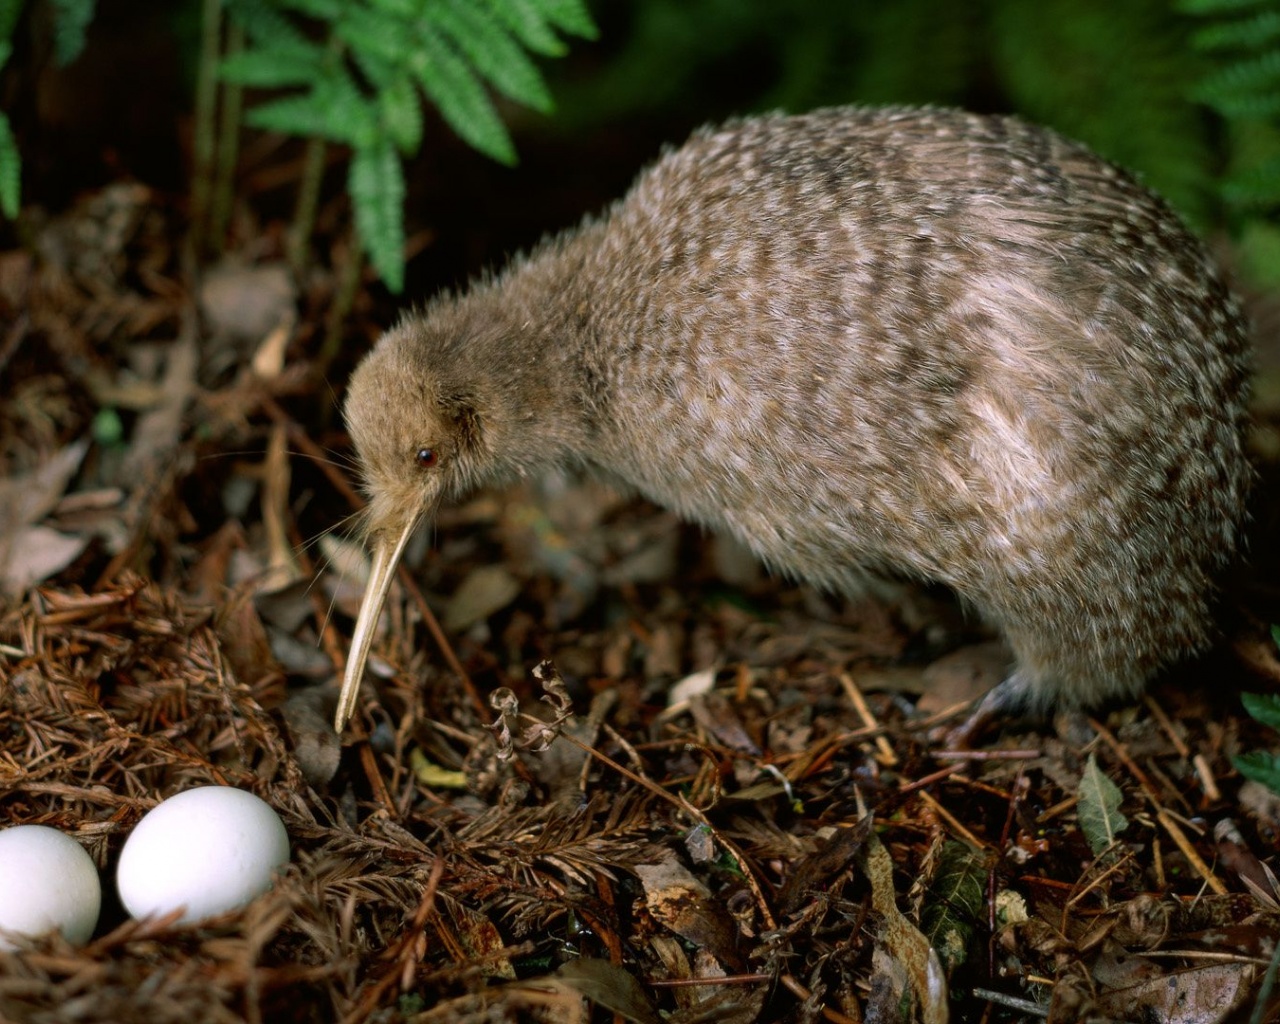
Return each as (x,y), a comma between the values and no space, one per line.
(349,276)
(205,108)
(228,149)
(304,211)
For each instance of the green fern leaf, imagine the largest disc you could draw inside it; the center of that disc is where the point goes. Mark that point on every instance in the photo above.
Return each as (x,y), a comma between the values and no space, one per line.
(376,184)
(266,26)
(1247,106)
(402,115)
(385,33)
(1248,33)
(1217,6)
(1245,88)
(1260,767)
(377,41)
(525,22)
(569,16)
(406,10)
(70,23)
(1263,707)
(491,51)
(6,51)
(10,171)
(274,68)
(294,115)
(446,78)
(334,109)
(325,10)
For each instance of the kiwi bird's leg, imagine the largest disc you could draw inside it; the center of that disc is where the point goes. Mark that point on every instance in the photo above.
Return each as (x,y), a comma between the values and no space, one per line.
(1006,699)
(387,548)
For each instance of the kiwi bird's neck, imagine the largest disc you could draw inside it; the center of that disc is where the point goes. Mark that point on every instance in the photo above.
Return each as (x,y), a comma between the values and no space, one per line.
(523,355)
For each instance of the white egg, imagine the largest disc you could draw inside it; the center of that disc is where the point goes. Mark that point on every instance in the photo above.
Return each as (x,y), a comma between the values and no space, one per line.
(207,850)
(47,881)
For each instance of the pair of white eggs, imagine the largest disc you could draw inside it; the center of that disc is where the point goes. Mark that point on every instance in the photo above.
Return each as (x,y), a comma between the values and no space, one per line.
(207,851)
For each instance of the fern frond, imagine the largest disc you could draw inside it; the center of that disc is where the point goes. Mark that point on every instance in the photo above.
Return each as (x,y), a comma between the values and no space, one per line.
(334,109)
(448,80)
(1245,33)
(569,16)
(402,114)
(365,88)
(528,25)
(70,23)
(325,10)
(273,69)
(1243,41)
(10,171)
(491,51)
(266,27)
(376,41)
(376,184)
(407,10)
(1249,87)
(1217,6)
(375,31)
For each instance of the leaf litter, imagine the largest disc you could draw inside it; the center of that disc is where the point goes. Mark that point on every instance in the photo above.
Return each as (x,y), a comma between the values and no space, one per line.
(636,780)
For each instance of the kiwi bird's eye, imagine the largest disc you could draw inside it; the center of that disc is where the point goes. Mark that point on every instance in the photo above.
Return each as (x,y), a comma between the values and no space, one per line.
(426,457)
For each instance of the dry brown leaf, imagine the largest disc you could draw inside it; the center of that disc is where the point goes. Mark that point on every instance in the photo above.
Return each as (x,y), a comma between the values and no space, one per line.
(682,903)
(34,554)
(486,590)
(903,941)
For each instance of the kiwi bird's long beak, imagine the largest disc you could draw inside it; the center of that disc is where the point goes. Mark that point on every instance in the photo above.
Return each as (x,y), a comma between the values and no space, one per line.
(387,549)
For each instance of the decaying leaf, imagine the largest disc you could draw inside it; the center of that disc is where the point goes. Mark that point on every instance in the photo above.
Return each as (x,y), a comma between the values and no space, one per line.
(309,717)
(1137,988)
(486,590)
(433,775)
(26,498)
(30,553)
(609,986)
(1099,808)
(682,903)
(811,874)
(902,940)
(955,901)
(35,553)
(517,730)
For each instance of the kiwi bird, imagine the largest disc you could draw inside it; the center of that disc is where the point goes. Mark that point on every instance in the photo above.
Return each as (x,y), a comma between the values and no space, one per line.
(918,342)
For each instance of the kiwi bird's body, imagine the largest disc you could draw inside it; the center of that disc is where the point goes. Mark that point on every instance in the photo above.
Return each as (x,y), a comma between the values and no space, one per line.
(914,341)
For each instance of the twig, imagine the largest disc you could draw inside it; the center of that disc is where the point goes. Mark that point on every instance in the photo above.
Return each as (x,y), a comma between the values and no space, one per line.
(1162,814)
(804,995)
(954,822)
(349,274)
(884,750)
(205,106)
(1166,724)
(405,949)
(228,149)
(1011,1002)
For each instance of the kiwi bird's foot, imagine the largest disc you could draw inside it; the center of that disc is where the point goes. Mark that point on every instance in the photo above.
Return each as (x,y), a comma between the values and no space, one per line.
(1011,700)
(1007,699)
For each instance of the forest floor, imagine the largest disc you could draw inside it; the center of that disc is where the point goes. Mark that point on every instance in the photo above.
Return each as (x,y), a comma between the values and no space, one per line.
(722,797)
